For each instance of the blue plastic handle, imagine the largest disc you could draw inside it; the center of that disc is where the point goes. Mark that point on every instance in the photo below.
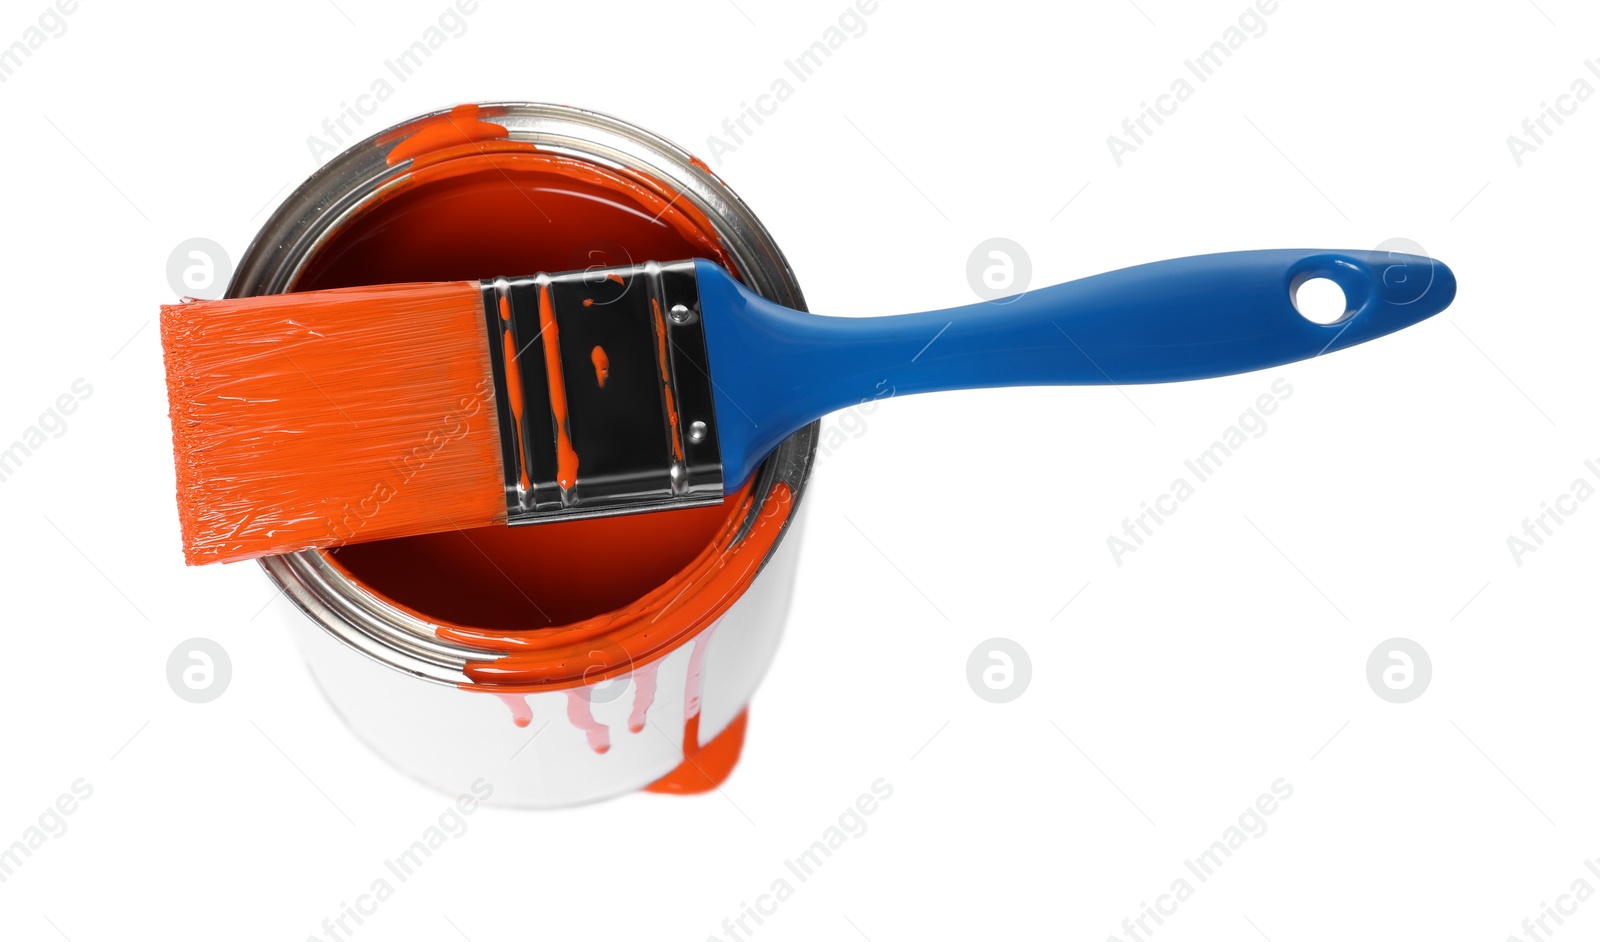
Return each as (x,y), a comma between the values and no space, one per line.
(777,369)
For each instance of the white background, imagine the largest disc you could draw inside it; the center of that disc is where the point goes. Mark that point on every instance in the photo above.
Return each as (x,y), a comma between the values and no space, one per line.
(1228,652)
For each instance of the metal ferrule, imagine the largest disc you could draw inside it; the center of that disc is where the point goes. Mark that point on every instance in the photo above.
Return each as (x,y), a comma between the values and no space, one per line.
(603,392)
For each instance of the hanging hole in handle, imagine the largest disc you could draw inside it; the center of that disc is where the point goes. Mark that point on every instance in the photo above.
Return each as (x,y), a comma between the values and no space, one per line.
(1320,301)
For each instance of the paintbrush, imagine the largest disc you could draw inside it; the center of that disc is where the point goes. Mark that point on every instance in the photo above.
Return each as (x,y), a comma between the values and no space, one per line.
(332,417)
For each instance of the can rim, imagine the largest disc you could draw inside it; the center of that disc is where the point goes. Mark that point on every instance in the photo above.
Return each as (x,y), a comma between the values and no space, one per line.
(354,180)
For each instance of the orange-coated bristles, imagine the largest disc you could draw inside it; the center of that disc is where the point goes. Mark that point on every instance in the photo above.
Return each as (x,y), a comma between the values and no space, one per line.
(331,417)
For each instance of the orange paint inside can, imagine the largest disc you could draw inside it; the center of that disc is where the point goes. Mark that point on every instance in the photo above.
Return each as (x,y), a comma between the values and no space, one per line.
(602,365)
(571,603)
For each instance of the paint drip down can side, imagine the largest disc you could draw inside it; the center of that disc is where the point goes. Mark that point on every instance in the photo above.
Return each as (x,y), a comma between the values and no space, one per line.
(653,631)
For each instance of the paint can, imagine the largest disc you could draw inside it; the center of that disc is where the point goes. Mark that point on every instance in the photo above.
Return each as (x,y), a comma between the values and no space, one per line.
(653,634)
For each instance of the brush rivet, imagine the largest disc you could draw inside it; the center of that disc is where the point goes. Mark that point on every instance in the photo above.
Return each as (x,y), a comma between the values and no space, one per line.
(680,314)
(697,431)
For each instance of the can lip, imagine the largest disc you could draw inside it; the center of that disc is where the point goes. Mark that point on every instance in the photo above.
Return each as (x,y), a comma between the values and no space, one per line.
(354,180)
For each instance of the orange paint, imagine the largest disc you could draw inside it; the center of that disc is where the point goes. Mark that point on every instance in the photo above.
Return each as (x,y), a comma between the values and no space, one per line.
(588,302)
(581,715)
(521,712)
(694,685)
(514,391)
(666,382)
(644,694)
(705,767)
(566,457)
(602,365)
(513,387)
(614,277)
(462,125)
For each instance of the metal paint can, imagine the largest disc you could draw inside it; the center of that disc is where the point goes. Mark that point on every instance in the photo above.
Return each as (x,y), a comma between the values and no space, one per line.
(406,691)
